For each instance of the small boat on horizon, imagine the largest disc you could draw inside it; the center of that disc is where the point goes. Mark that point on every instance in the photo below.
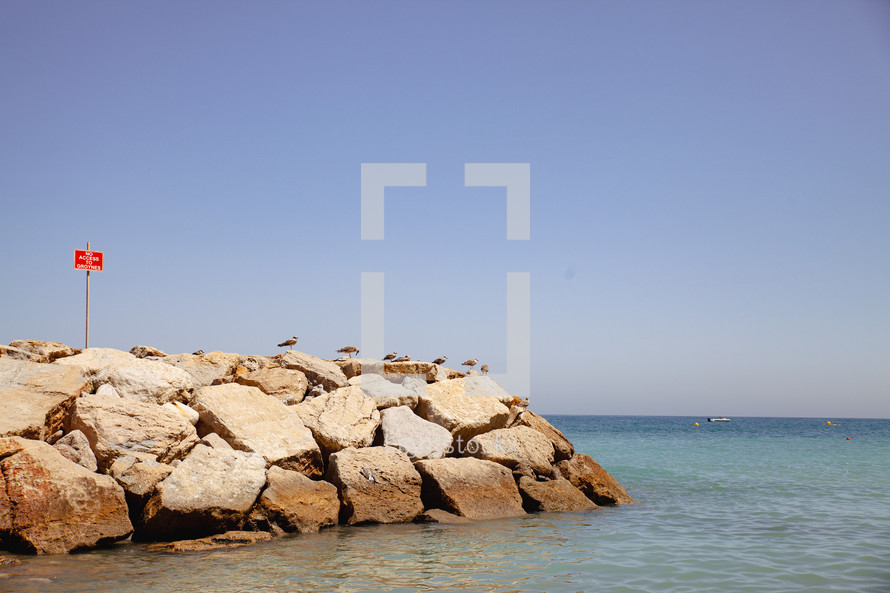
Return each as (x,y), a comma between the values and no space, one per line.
(720,419)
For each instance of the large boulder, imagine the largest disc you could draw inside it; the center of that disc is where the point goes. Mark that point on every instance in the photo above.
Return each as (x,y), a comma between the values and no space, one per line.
(42,351)
(514,446)
(287,385)
(139,476)
(552,495)
(562,447)
(470,487)
(93,360)
(250,420)
(354,367)
(340,419)
(387,394)
(294,503)
(485,386)
(377,485)
(50,505)
(446,404)
(427,371)
(35,397)
(210,491)
(411,434)
(205,369)
(318,370)
(117,427)
(76,447)
(591,479)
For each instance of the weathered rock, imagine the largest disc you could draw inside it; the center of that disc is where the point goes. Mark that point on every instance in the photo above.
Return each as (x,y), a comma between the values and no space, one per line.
(49,505)
(77,442)
(139,476)
(354,367)
(206,368)
(211,491)
(252,421)
(287,385)
(377,485)
(553,495)
(446,404)
(44,351)
(562,447)
(18,354)
(183,410)
(512,446)
(485,386)
(117,427)
(386,394)
(590,478)
(317,370)
(340,419)
(214,440)
(292,502)
(229,539)
(106,389)
(146,351)
(34,397)
(93,360)
(470,487)
(429,372)
(411,434)
(439,516)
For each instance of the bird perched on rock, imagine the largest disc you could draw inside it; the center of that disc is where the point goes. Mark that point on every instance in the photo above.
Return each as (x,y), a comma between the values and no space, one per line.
(469,363)
(440,360)
(484,369)
(368,474)
(350,350)
(390,356)
(289,343)
(198,352)
(405,358)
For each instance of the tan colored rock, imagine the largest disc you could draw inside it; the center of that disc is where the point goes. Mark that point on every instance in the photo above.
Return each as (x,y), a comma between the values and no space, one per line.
(206,368)
(562,447)
(439,516)
(387,394)
(470,487)
(210,491)
(250,420)
(427,371)
(76,447)
(286,385)
(229,539)
(354,367)
(377,485)
(139,476)
(294,503)
(146,351)
(44,351)
(340,419)
(34,397)
(50,505)
(93,360)
(595,482)
(514,446)
(446,404)
(317,370)
(552,495)
(183,410)
(414,436)
(117,427)
(485,386)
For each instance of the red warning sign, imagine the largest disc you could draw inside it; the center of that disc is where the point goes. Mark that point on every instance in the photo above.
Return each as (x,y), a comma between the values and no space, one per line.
(90,261)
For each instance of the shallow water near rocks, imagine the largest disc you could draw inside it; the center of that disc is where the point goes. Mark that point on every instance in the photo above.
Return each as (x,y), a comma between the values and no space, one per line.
(756,504)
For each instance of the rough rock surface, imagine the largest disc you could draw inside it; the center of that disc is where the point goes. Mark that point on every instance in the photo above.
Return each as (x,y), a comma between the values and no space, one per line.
(293,502)
(446,404)
(562,447)
(49,505)
(317,370)
(206,368)
(183,410)
(470,487)
(34,397)
(416,437)
(377,485)
(353,367)
(439,516)
(250,420)
(387,394)
(514,446)
(93,360)
(117,427)
(553,495)
(139,476)
(146,351)
(427,371)
(77,443)
(340,419)
(485,386)
(591,479)
(44,351)
(211,491)
(287,385)
(229,539)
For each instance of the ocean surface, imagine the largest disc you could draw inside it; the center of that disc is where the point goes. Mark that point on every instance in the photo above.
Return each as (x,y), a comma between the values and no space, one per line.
(755,504)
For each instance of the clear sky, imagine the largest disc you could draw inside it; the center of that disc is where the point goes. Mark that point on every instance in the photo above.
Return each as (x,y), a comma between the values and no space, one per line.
(710,188)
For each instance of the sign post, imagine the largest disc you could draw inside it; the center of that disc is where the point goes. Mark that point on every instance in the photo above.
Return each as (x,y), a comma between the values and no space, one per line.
(91,261)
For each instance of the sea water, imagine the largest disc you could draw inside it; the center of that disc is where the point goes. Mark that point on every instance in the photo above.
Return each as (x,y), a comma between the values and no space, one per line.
(755,504)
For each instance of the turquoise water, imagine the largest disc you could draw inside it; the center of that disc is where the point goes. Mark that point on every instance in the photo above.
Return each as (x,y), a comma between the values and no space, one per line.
(756,504)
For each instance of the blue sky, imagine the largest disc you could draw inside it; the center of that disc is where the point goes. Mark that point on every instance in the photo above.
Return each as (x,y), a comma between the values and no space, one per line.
(710,188)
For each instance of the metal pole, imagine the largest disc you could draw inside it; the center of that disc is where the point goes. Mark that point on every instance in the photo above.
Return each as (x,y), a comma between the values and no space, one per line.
(88,304)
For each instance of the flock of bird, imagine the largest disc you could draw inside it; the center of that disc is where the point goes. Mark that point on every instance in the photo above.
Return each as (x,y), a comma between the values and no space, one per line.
(392,356)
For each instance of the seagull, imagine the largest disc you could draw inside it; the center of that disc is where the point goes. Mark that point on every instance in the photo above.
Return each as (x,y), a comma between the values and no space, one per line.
(197,352)
(289,343)
(405,358)
(350,350)
(368,474)
(440,360)
(390,356)
(484,369)
(469,363)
